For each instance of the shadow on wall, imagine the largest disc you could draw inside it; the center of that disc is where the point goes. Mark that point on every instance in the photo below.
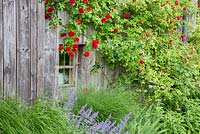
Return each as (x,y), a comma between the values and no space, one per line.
(94,72)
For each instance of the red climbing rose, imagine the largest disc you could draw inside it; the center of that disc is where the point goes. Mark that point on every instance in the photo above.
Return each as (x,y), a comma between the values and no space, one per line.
(141,62)
(71,1)
(71,54)
(103,20)
(185,8)
(67,48)
(176,2)
(115,30)
(127,15)
(85,1)
(71,33)
(76,39)
(170,41)
(95,44)
(60,47)
(88,8)
(47,16)
(78,20)
(86,54)
(46,1)
(51,9)
(108,16)
(81,10)
(63,34)
(75,46)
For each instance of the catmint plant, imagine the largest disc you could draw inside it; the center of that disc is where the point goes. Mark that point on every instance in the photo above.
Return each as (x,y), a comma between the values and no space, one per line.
(86,119)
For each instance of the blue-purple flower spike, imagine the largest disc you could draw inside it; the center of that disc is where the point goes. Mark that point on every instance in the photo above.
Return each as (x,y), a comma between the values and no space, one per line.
(71,100)
(86,119)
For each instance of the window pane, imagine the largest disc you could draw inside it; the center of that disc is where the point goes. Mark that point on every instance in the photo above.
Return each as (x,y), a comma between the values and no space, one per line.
(61,60)
(68,60)
(65,76)
(65,60)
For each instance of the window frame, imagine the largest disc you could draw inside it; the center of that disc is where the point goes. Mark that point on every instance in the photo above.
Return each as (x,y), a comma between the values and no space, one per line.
(72,71)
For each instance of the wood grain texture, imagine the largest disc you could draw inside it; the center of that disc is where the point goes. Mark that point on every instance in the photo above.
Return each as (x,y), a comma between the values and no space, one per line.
(23,50)
(9,42)
(40,49)
(1,48)
(50,48)
(34,46)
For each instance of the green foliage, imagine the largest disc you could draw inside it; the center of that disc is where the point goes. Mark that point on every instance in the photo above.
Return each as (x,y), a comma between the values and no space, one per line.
(157,63)
(185,122)
(117,104)
(145,121)
(42,118)
(195,35)
(147,45)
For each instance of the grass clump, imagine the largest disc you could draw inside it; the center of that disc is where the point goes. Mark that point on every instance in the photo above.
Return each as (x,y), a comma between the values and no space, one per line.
(42,118)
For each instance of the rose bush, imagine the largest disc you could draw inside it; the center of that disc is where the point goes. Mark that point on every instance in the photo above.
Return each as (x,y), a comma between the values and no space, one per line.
(144,36)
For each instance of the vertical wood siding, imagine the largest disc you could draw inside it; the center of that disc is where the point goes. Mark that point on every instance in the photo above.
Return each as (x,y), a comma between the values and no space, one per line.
(9,43)
(22,40)
(1,48)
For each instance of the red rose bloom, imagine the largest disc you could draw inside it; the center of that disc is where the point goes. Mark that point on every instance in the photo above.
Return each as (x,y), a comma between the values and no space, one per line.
(103,20)
(63,34)
(164,70)
(198,5)
(51,9)
(46,1)
(170,41)
(183,38)
(71,33)
(141,62)
(88,8)
(60,47)
(179,17)
(174,29)
(76,39)
(176,2)
(85,1)
(108,16)
(71,54)
(134,0)
(127,15)
(95,44)
(86,54)
(75,46)
(47,16)
(74,50)
(170,22)
(78,20)
(185,8)
(115,30)
(81,10)
(71,1)
(67,48)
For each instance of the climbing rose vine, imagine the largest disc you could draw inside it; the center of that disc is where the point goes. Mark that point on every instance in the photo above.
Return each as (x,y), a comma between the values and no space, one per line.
(143,37)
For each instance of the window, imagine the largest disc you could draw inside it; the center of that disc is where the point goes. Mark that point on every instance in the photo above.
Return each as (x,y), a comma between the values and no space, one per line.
(67,70)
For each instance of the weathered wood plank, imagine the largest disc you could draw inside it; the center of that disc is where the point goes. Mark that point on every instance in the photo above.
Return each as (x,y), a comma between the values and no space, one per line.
(9,42)
(23,50)
(1,48)
(57,92)
(40,49)
(50,44)
(34,45)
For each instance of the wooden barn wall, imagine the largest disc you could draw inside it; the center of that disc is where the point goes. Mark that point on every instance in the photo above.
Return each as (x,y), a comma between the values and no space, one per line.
(22,39)
(103,76)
